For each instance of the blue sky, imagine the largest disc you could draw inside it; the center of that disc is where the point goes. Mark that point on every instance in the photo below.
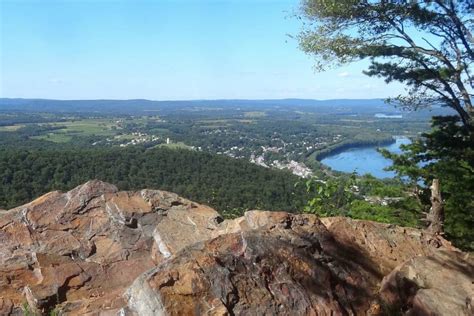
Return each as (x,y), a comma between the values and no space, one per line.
(165,50)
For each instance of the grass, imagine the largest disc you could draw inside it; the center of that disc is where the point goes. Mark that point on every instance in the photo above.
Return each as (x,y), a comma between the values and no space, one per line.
(28,311)
(54,137)
(125,137)
(11,128)
(88,127)
(178,145)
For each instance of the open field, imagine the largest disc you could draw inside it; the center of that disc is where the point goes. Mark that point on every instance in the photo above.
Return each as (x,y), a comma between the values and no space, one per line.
(11,128)
(178,145)
(87,127)
(54,137)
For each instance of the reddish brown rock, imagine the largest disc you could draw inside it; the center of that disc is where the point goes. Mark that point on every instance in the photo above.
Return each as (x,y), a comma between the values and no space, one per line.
(97,251)
(79,251)
(276,265)
(386,245)
(182,226)
(439,284)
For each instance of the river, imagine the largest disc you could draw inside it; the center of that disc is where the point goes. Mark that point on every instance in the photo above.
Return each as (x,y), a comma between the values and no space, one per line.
(365,160)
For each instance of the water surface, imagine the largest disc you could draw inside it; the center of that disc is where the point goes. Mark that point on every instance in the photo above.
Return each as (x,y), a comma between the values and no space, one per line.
(365,160)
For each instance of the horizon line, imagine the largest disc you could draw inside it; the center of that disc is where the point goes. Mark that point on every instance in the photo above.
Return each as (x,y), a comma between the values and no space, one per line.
(180,100)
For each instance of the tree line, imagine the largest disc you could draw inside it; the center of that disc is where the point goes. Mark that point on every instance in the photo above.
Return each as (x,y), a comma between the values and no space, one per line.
(218,181)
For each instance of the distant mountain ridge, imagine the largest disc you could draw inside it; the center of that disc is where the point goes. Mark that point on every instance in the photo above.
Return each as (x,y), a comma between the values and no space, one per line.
(99,105)
(151,107)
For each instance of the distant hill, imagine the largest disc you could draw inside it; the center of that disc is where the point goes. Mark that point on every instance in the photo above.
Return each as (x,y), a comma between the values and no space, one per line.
(150,107)
(141,105)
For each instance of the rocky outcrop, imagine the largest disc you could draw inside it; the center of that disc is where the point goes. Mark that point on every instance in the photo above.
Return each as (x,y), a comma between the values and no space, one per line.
(439,284)
(97,251)
(82,249)
(385,245)
(283,265)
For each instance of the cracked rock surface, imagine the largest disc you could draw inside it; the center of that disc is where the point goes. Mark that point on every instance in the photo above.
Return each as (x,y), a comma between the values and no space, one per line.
(97,251)
(80,250)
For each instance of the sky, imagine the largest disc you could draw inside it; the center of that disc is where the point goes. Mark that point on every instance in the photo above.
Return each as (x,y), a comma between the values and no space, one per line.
(165,50)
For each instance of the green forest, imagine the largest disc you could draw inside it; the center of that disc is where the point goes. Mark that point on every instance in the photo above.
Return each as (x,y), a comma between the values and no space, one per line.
(208,161)
(231,186)
(221,182)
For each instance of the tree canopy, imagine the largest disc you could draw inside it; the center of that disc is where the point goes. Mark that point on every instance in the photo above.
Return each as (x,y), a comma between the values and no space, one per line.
(224,183)
(427,45)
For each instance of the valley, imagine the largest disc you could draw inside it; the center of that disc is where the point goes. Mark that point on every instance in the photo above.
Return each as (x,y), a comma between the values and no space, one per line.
(234,157)
(291,135)
(277,157)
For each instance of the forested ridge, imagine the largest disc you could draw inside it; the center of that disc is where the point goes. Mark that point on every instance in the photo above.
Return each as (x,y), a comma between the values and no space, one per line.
(218,181)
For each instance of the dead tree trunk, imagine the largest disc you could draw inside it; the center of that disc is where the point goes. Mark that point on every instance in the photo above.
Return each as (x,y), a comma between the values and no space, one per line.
(436,215)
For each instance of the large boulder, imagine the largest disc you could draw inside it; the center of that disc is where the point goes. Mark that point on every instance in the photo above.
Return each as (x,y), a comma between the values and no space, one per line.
(385,245)
(280,263)
(439,284)
(277,264)
(97,251)
(79,251)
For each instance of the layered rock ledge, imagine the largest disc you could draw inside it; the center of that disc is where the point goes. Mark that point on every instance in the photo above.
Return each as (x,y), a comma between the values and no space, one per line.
(97,251)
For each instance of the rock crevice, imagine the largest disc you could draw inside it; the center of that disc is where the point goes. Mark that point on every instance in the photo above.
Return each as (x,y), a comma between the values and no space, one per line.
(97,251)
